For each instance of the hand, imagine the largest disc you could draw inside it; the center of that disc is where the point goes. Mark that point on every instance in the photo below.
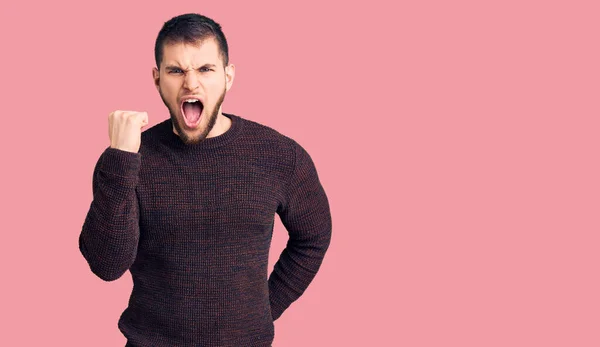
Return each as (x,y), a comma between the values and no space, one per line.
(125,129)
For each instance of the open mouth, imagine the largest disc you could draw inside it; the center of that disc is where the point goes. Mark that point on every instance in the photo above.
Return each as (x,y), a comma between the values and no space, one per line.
(191,109)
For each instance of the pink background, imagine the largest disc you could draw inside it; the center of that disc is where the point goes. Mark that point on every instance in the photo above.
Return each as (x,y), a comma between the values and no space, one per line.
(457,142)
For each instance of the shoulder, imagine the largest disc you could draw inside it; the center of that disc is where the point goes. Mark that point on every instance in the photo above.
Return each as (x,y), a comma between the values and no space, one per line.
(270,138)
(151,137)
(280,150)
(154,131)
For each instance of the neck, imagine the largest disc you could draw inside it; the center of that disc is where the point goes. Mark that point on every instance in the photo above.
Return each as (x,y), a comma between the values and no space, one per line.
(221,126)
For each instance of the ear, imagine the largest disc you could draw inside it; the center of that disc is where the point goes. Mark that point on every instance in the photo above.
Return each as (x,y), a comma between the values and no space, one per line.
(229,75)
(156,77)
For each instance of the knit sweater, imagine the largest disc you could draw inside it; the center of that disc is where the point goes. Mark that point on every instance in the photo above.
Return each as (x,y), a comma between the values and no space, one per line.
(193,225)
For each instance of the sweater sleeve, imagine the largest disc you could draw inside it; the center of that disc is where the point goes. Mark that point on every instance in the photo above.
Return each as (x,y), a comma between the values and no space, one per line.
(109,237)
(306,215)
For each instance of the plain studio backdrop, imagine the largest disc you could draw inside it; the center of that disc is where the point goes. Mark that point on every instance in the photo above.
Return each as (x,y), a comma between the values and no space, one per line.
(457,143)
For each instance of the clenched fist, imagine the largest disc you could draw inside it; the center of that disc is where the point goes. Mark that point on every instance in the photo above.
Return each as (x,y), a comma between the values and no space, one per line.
(125,129)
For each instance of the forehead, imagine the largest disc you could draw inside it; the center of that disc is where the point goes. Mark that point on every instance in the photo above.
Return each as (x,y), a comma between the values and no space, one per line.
(192,55)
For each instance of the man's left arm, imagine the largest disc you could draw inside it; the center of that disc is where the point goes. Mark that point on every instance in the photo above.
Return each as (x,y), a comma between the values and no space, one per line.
(306,215)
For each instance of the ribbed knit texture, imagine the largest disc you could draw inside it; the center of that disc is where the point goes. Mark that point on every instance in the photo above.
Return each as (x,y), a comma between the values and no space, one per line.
(193,224)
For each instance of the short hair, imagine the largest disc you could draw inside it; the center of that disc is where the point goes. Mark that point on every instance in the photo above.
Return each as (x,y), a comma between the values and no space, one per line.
(190,28)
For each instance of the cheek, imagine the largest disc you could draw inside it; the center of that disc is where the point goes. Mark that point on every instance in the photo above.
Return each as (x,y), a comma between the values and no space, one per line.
(215,91)
(170,89)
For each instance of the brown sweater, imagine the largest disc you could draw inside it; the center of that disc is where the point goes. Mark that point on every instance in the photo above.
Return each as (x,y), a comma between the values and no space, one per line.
(193,225)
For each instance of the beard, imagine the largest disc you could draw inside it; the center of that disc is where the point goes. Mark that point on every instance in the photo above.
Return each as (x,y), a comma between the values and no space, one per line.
(212,119)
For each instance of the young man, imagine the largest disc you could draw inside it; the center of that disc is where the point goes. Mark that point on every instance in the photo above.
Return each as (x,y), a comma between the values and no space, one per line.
(188,207)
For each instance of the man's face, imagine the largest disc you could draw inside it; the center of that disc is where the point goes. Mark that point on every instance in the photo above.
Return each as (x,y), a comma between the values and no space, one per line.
(193,72)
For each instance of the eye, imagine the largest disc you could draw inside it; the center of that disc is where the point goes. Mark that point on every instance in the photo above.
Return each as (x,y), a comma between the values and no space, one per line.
(175,71)
(205,69)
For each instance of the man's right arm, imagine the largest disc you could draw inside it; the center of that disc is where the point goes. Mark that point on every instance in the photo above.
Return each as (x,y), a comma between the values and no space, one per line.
(110,234)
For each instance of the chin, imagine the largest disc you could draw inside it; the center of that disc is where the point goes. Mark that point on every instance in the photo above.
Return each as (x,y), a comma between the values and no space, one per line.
(194,135)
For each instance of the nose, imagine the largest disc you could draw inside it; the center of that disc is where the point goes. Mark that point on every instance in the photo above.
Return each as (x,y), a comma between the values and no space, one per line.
(191,81)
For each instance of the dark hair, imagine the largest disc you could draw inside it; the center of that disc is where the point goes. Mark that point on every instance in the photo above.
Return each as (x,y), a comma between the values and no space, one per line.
(190,28)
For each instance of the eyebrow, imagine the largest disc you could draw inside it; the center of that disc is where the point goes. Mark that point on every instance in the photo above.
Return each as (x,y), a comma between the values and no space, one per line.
(173,67)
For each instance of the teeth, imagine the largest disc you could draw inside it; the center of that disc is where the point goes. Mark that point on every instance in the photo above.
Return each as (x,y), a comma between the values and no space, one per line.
(191,100)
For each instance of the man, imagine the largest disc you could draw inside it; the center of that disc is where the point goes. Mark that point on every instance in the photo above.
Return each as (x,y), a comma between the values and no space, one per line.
(188,206)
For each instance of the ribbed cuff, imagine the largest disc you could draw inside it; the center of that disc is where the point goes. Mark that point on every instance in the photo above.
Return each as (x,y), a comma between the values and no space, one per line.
(120,162)
(277,308)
